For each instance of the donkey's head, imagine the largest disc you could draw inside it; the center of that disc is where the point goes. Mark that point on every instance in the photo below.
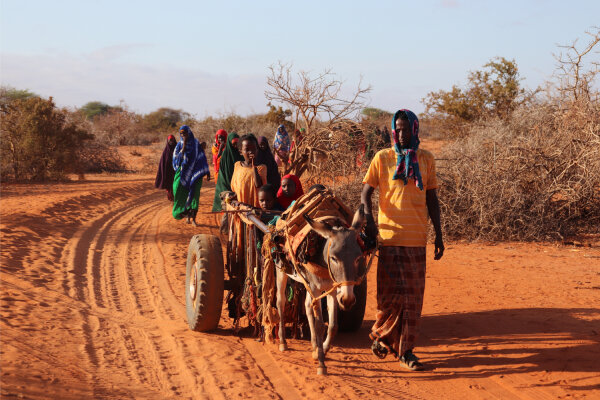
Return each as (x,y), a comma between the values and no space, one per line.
(343,253)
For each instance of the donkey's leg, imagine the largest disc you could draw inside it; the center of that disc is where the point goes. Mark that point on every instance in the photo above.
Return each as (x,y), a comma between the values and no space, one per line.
(311,322)
(332,328)
(281,283)
(319,332)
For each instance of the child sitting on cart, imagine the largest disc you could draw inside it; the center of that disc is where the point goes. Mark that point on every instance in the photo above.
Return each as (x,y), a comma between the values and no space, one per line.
(267,198)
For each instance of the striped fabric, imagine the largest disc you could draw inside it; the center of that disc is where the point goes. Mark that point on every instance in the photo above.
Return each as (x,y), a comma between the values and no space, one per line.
(402,210)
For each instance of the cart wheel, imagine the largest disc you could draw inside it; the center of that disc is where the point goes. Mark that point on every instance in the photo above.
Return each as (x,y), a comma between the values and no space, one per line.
(204,279)
(351,320)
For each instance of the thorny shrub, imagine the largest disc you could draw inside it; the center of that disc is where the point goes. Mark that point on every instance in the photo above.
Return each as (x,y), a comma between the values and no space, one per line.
(340,157)
(533,176)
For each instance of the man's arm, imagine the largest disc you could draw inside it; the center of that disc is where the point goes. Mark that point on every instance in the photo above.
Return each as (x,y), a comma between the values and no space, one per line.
(366,199)
(433,208)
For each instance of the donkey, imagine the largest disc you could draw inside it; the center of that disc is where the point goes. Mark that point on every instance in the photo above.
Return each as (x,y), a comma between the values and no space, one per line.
(341,257)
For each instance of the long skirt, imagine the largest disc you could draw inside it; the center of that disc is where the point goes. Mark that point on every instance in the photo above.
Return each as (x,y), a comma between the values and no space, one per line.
(400,290)
(281,159)
(180,193)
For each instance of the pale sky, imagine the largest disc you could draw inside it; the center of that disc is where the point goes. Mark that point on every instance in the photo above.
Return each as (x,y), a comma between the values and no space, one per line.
(209,57)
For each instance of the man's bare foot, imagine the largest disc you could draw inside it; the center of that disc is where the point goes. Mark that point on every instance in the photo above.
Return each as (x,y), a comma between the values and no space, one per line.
(194,222)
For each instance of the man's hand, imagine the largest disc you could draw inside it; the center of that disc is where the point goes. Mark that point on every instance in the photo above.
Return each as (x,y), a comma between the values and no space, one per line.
(439,247)
(371,228)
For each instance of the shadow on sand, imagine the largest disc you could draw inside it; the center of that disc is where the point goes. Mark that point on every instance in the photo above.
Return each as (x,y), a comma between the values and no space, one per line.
(500,342)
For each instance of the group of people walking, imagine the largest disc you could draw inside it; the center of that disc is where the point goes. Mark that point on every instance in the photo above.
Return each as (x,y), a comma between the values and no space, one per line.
(404,174)
(243,165)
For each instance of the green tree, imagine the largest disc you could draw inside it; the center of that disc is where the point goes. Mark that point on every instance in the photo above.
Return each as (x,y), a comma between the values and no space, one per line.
(276,115)
(165,119)
(37,141)
(494,91)
(93,109)
(9,94)
(373,113)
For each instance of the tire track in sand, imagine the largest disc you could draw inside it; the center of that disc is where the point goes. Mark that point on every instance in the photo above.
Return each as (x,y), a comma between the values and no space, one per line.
(89,283)
(277,382)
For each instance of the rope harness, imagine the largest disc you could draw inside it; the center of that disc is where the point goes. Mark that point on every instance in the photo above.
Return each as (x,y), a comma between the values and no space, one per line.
(336,284)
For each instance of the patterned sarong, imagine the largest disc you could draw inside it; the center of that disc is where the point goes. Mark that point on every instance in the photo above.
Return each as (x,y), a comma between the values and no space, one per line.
(400,289)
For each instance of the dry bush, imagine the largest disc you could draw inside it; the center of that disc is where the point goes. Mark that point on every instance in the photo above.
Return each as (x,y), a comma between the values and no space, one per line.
(340,156)
(38,141)
(150,161)
(122,127)
(204,130)
(536,173)
(534,176)
(95,157)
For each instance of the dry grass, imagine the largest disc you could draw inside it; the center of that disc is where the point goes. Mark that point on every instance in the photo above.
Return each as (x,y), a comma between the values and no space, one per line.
(535,176)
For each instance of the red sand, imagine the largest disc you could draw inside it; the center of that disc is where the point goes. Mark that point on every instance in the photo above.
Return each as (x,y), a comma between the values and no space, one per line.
(92,305)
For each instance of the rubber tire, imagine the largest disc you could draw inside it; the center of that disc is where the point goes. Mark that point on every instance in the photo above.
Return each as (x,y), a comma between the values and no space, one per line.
(351,320)
(206,313)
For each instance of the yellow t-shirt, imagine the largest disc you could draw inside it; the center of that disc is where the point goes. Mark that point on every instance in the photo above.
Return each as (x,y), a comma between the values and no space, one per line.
(402,208)
(242,183)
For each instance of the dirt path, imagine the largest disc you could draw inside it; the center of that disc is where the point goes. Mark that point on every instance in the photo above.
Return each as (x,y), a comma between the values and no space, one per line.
(92,305)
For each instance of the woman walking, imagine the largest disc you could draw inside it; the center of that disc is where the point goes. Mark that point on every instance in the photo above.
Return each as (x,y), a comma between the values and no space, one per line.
(190,165)
(230,156)
(166,175)
(265,156)
(281,144)
(218,148)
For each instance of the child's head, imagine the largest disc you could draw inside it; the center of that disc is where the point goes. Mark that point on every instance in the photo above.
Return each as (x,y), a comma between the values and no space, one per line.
(249,147)
(288,187)
(266,196)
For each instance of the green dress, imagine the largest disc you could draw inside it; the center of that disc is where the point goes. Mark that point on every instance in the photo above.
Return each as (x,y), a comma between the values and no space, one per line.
(180,193)
(228,159)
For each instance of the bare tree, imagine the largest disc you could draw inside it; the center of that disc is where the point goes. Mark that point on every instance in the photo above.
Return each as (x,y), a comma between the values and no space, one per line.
(575,79)
(312,98)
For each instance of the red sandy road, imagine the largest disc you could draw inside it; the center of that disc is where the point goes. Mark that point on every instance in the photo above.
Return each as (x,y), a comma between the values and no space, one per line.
(92,306)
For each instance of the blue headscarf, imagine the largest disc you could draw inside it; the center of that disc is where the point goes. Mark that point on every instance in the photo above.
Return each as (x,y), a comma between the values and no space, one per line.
(407,164)
(282,139)
(192,161)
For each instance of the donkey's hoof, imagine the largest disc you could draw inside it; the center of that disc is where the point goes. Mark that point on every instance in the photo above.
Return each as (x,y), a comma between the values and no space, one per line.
(315,354)
(321,371)
(283,347)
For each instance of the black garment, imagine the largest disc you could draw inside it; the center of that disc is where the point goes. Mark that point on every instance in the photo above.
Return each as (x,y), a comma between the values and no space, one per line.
(166,173)
(266,157)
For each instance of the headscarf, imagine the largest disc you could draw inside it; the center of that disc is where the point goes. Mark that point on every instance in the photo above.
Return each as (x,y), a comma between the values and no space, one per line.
(228,159)
(284,200)
(266,157)
(407,164)
(191,160)
(217,150)
(166,174)
(282,139)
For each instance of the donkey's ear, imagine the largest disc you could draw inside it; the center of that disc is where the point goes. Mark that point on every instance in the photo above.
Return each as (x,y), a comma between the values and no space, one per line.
(322,228)
(359,218)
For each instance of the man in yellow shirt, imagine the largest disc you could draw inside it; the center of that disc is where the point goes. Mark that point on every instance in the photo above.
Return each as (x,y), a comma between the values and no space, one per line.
(405,176)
